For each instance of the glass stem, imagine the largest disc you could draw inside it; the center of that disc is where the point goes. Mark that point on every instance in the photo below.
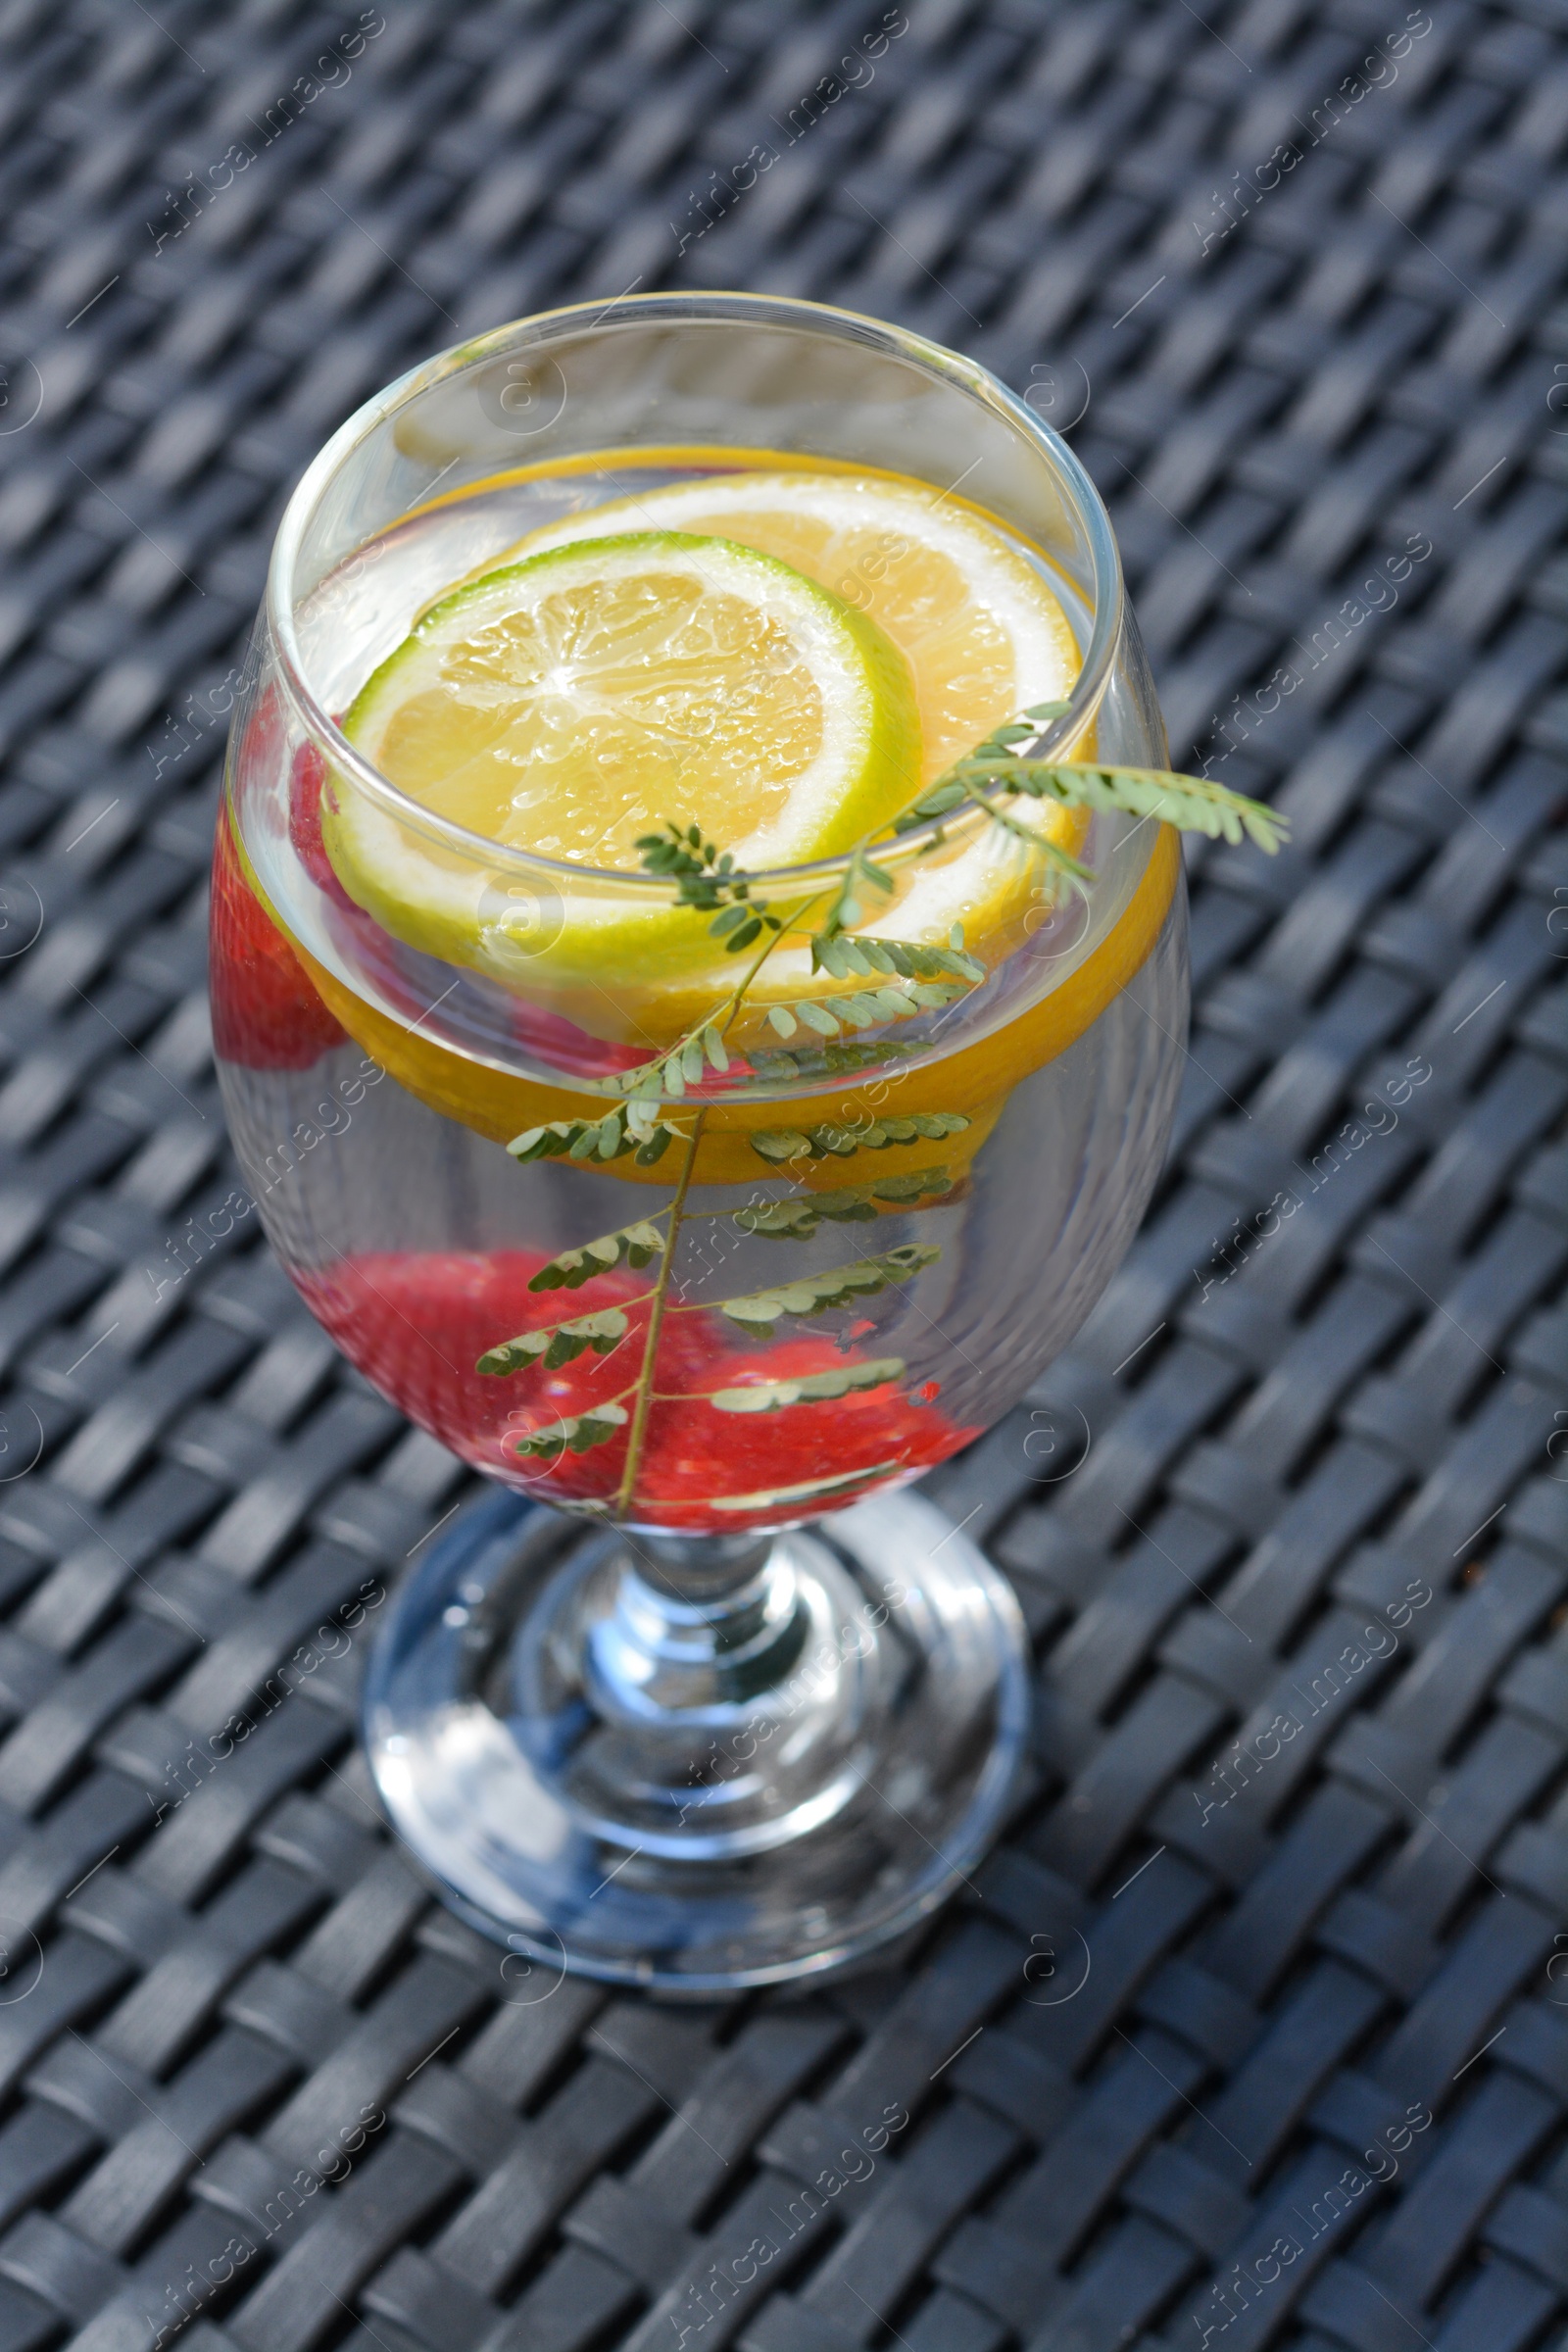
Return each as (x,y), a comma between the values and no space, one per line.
(656,1317)
(698,1571)
(695,1622)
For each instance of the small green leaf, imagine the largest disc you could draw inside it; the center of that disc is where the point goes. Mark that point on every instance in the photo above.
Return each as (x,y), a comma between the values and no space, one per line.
(542,1142)
(778,1220)
(841,1141)
(780,1144)
(941,799)
(576,1434)
(558,1344)
(772,1395)
(782,1019)
(634,1245)
(916,1185)
(844,1205)
(861,1011)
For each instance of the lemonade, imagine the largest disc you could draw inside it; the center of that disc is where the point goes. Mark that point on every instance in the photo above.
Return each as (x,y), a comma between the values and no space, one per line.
(760,664)
(698,986)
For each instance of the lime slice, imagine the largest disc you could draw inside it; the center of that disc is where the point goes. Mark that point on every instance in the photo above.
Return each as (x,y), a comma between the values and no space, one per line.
(574,700)
(977,623)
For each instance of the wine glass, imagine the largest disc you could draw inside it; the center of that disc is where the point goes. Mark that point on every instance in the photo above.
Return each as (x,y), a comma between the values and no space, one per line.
(740,1705)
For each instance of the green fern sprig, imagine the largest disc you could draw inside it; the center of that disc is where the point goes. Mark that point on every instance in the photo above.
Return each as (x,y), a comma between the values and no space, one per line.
(707,877)
(556,1343)
(780,1145)
(759,1311)
(630,1127)
(832,1058)
(906,977)
(1191,803)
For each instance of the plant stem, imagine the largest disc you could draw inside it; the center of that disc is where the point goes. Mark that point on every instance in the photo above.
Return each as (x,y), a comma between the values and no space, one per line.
(771,943)
(725,1015)
(656,1317)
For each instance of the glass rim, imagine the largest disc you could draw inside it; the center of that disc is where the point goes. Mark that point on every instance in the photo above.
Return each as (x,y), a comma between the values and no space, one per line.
(539,328)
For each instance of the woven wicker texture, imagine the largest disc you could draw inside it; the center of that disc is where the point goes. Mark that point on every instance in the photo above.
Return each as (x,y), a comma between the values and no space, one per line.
(1255,2031)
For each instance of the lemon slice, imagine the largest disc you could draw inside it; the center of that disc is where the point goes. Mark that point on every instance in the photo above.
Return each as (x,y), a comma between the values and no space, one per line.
(984,637)
(572,701)
(981,630)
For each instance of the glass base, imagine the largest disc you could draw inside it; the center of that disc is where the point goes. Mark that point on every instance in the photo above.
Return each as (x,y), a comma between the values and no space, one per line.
(697,1764)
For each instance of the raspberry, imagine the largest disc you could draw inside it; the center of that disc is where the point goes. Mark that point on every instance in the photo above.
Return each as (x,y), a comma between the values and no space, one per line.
(266,1013)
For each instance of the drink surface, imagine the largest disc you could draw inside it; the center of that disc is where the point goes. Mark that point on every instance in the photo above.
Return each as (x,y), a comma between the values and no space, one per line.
(782,657)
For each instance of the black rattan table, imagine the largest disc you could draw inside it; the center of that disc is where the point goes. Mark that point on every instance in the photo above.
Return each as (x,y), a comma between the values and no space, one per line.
(1255,2030)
